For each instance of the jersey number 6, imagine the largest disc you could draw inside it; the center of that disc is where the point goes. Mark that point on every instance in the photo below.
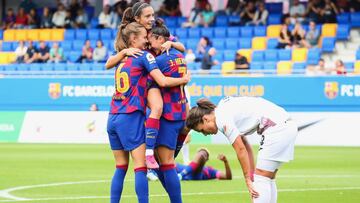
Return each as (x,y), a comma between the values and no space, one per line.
(122,80)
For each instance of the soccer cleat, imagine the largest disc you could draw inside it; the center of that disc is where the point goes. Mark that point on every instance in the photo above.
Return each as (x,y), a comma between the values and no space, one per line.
(151,162)
(151,175)
(180,176)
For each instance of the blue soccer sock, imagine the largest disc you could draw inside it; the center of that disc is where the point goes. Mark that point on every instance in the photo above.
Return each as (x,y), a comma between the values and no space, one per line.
(172,182)
(141,185)
(117,183)
(160,175)
(151,131)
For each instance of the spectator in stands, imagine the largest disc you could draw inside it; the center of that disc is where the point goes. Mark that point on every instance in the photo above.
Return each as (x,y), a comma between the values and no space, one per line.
(195,16)
(203,46)
(74,7)
(20,52)
(58,19)
(261,15)
(234,7)
(298,36)
(247,15)
(208,59)
(285,40)
(100,52)
(43,53)
(68,22)
(94,107)
(33,19)
(207,16)
(170,8)
(340,68)
(31,51)
(329,12)
(27,5)
(297,12)
(190,56)
(317,70)
(241,62)
(314,9)
(87,53)
(21,19)
(46,19)
(9,20)
(119,11)
(343,5)
(312,36)
(354,6)
(105,17)
(81,19)
(56,53)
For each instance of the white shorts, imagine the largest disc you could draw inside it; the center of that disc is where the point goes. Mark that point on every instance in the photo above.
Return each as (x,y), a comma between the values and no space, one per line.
(278,142)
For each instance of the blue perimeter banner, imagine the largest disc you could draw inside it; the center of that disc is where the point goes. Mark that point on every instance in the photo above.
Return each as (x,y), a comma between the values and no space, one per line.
(295,93)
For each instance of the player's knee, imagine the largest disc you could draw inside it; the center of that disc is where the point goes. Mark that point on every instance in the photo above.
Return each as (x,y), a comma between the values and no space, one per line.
(156,110)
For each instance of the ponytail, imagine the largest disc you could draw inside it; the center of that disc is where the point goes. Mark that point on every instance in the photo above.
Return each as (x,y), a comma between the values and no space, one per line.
(195,117)
(160,29)
(122,40)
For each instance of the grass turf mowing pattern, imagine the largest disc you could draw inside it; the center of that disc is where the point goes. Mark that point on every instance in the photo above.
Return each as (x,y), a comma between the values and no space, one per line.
(318,174)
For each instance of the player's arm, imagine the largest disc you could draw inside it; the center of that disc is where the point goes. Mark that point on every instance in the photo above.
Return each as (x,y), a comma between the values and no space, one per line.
(168,44)
(250,155)
(164,81)
(227,175)
(119,56)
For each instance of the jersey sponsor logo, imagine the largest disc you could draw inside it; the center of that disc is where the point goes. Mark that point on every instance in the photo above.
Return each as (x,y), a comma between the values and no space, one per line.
(331,90)
(150,58)
(54,90)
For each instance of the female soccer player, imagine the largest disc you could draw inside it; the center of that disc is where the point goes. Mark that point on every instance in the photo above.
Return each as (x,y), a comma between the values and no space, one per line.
(143,13)
(127,113)
(237,117)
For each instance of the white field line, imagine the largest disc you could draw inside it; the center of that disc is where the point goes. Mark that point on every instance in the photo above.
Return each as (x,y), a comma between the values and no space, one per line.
(6,192)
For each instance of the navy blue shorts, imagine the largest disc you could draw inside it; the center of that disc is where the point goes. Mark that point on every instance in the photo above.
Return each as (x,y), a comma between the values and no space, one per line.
(169,132)
(126,130)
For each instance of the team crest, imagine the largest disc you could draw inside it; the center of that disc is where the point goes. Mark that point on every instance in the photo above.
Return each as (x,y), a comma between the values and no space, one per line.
(54,90)
(331,90)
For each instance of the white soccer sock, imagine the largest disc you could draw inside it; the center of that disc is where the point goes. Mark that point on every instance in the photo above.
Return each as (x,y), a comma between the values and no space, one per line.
(273,191)
(149,152)
(262,185)
(185,152)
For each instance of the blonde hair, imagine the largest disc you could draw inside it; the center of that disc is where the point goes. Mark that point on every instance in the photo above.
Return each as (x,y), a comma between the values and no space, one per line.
(124,33)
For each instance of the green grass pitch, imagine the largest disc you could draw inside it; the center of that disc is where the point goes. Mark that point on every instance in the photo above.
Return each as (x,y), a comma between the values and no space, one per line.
(57,173)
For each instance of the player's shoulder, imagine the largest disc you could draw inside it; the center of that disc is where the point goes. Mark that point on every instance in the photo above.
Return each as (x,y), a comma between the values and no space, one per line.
(148,57)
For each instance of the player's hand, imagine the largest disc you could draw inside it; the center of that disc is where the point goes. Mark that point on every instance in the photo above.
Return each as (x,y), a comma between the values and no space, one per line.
(252,191)
(187,139)
(135,52)
(166,47)
(187,77)
(222,157)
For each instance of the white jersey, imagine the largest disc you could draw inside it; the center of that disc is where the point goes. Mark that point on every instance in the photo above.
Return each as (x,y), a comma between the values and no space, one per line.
(242,115)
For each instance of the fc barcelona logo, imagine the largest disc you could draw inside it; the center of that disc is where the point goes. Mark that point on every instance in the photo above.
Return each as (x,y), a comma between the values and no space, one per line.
(54,90)
(331,89)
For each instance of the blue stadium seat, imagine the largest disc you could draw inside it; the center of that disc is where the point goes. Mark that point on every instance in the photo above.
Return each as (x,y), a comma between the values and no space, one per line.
(284,54)
(274,19)
(246,31)
(245,43)
(269,65)
(181,33)
(216,67)
(313,56)
(7,46)
(218,44)
(220,32)
(105,34)
(229,55)
(274,7)
(93,44)
(233,32)
(172,31)
(343,32)
(257,56)
(84,66)
(191,66)
(23,67)
(78,44)
(260,31)
(219,56)
(171,22)
(90,11)
(256,65)
(66,45)
(98,66)
(10,67)
(328,44)
(343,18)
(109,44)
(192,44)
(180,21)
(93,34)
(358,54)
(349,65)
(207,32)
(60,66)
(1,34)
(74,55)
(72,66)
(355,19)
(221,21)
(194,33)
(234,19)
(272,43)
(94,22)
(231,43)
(81,34)
(69,34)
(47,66)
(299,66)
(270,55)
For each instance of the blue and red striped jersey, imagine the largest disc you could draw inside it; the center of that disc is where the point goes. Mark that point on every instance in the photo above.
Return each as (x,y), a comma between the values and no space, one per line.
(131,78)
(173,65)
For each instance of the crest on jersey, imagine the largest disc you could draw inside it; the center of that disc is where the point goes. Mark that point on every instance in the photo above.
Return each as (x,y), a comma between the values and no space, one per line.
(331,89)
(54,90)
(150,58)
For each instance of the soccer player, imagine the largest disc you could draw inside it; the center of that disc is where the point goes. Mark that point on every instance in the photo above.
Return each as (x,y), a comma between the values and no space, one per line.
(126,128)
(197,170)
(237,117)
(143,13)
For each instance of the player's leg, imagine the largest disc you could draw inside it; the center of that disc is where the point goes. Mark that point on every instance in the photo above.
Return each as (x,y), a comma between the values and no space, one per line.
(274,188)
(197,164)
(186,153)
(155,103)
(141,183)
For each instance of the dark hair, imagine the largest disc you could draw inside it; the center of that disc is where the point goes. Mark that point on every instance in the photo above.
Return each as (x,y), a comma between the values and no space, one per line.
(160,29)
(208,42)
(196,113)
(124,33)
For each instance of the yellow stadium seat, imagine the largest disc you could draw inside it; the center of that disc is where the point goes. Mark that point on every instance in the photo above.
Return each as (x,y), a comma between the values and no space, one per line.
(20,35)
(284,67)
(33,35)
(9,35)
(11,57)
(45,35)
(7,57)
(259,43)
(357,67)
(273,30)
(57,34)
(329,30)
(299,55)
(227,67)
(247,53)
